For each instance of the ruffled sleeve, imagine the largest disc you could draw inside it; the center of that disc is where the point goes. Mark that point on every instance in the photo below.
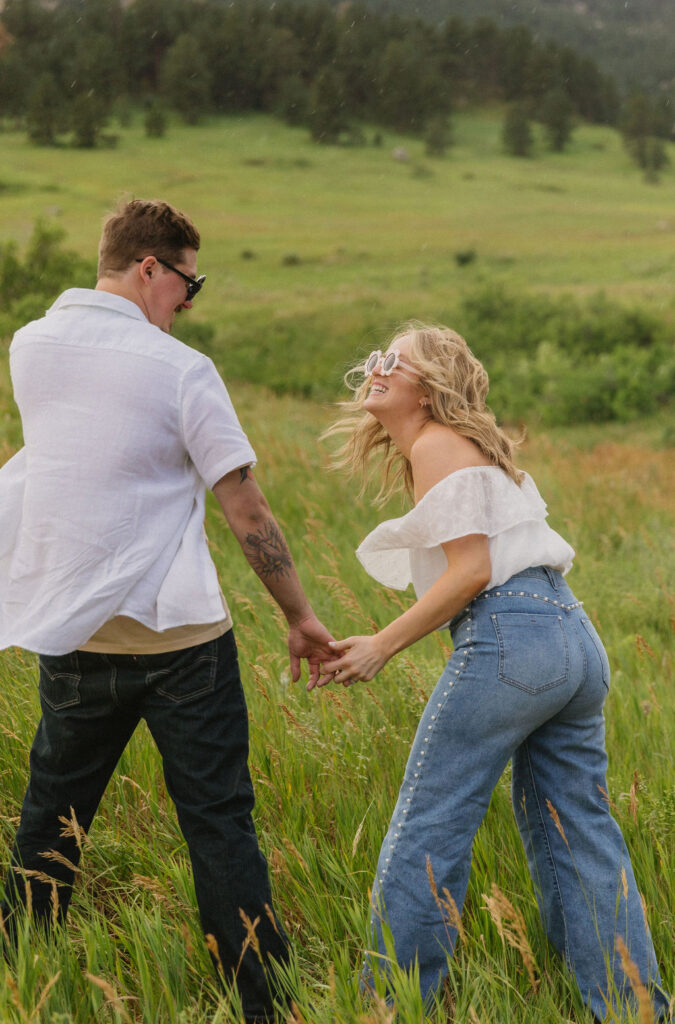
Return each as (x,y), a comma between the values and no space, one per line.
(477,499)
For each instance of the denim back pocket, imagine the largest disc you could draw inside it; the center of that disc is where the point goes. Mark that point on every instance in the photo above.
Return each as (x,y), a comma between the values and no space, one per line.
(60,681)
(191,674)
(533,651)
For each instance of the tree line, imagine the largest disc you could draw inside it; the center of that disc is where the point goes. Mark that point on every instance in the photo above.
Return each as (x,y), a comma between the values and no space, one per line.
(66,66)
(313,63)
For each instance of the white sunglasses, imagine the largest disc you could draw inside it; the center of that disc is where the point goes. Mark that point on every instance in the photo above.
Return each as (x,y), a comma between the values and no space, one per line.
(387,364)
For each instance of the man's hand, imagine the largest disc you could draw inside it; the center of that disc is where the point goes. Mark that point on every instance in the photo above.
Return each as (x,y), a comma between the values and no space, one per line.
(309,639)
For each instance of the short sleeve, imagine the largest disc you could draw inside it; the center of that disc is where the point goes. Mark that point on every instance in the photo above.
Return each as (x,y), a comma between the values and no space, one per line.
(478,499)
(213,435)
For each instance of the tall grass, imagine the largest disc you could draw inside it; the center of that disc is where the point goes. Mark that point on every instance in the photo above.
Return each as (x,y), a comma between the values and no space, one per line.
(327,766)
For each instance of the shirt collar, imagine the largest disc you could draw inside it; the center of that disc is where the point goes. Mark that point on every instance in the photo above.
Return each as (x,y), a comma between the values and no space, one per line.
(97,299)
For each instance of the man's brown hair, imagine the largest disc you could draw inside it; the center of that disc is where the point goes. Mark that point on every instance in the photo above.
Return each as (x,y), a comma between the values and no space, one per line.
(144,228)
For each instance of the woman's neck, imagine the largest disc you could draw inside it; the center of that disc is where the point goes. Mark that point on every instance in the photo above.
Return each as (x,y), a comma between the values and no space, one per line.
(404,431)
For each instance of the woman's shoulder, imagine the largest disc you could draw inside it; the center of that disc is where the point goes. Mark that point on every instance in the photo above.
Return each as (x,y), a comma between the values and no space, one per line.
(438,452)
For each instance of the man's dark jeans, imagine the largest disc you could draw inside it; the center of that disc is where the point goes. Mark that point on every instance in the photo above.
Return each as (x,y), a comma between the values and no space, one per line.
(193,703)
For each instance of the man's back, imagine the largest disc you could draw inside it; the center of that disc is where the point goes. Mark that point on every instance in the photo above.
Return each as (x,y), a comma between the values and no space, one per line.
(123,425)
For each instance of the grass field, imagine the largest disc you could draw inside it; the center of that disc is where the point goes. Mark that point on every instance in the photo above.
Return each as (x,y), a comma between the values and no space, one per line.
(341,243)
(327,766)
(375,241)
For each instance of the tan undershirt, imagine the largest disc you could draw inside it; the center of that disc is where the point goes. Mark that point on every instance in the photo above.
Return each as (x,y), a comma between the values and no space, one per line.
(122,635)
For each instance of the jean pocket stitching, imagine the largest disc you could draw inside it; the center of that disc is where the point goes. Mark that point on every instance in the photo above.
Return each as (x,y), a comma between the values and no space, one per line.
(519,683)
(57,680)
(205,687)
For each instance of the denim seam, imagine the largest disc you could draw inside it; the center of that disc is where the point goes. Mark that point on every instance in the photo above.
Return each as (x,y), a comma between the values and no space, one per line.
(583,655)
(551,858)
(113,686)
(418,776)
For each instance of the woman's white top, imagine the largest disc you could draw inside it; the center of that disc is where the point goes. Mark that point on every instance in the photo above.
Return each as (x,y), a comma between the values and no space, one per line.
(477,499)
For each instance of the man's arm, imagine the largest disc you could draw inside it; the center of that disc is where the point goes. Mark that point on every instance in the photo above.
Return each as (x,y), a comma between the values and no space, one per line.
(251,521)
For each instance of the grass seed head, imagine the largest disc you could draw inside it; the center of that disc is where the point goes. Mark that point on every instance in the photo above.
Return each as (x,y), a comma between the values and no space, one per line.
(645,1010)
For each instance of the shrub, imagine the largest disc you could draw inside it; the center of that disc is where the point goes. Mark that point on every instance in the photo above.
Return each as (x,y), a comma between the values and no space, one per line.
(29,286)
(559,361)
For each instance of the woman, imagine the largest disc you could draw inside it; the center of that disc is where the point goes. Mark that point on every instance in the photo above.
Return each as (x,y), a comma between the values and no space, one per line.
(526,681)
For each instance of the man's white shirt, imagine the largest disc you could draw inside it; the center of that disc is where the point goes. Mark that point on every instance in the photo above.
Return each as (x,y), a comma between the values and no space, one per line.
(102,510)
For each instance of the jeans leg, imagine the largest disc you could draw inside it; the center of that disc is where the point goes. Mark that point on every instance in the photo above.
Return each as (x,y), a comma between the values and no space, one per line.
(459,752)
(78,742)
(197,714)
(576,853)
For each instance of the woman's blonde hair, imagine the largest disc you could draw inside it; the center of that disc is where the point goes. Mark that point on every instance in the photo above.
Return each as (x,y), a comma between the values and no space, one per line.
(455,386)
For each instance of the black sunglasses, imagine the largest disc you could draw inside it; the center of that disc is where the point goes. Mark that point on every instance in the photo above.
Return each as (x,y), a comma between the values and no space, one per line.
(193,284)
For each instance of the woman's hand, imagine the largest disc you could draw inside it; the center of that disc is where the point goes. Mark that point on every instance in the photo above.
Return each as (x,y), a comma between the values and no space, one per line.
(362,658)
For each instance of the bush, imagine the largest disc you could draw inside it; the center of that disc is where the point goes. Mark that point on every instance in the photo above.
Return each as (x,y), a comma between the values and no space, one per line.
(558,361)
(29,286)
(437,136)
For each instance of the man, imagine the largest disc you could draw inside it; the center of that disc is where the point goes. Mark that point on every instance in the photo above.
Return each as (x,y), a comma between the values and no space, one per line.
(105,572)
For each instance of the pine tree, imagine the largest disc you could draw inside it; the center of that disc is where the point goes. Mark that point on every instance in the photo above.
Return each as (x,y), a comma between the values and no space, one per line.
(186,79)
(327,118)
(556,115)
(516,133)
(44,111)
(87,118)
(155,120)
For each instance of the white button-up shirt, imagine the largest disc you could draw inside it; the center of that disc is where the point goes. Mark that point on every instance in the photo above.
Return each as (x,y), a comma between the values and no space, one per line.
(102,510)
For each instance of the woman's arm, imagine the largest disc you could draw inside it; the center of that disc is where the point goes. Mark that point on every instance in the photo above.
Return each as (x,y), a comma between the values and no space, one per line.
(436,453)
(467,574)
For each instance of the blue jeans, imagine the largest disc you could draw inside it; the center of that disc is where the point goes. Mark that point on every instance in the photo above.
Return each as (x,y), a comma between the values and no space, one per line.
(193,703)
(526,682)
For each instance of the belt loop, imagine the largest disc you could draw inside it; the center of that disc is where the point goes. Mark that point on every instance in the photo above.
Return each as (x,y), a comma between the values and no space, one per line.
(552,576)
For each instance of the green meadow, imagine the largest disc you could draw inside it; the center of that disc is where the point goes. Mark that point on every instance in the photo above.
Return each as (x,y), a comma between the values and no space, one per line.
(313,254)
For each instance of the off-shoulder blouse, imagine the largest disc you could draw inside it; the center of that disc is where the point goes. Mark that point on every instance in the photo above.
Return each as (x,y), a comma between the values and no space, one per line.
(477,499)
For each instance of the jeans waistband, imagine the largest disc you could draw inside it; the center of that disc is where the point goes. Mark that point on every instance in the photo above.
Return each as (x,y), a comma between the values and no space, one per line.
(553,577)
(539,572)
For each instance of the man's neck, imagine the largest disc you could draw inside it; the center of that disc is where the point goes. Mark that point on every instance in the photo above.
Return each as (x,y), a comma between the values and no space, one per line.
(124,288)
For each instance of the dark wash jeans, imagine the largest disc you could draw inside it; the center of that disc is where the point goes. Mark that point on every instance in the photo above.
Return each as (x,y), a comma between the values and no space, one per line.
(194,705)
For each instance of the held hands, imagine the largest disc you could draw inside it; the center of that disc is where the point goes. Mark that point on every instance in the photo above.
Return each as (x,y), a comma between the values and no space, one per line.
(362,658)
(309,639)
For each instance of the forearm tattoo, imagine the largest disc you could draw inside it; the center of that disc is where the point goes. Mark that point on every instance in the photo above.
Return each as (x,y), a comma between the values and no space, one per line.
(243,474)
(267,552)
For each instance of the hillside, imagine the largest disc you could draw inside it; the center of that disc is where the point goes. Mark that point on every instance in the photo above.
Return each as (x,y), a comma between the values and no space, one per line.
(633,41)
